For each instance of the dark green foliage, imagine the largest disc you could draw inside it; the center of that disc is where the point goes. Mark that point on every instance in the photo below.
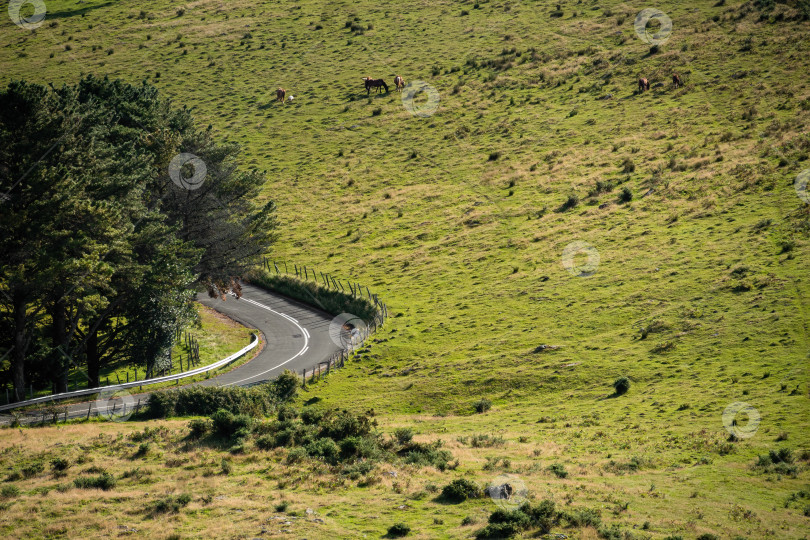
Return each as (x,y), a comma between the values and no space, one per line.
(32,469)
(426,455)
(611,533)
(626,195)
(403,435)
(398,530)
(460,490)
(558,470)
(571,202)
(206,400)
(708,536)
(581,517)
(171,504)
(482,405)
(621,386)
(498,530)
(227,425)
(60,464)
(324,448)
(98,237)
(104,481)
(9,491)
(329,300)
(199,427)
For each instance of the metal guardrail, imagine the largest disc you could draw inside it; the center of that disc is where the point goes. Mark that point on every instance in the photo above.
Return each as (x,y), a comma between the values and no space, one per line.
(143,382)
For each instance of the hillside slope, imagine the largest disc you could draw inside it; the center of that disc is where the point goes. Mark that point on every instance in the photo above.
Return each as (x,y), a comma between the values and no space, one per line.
(460,220)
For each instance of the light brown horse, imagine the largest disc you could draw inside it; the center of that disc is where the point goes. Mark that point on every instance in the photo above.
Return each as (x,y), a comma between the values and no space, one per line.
(400,82)
(676,80)
(643,84)
(281,94)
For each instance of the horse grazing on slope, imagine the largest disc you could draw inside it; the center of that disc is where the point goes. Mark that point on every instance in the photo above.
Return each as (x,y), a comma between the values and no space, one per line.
(280,94)
(643,84)
(399,82)
(370,83)
(676,80)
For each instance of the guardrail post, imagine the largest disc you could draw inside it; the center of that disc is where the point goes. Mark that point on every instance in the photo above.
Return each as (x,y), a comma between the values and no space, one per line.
(89,406)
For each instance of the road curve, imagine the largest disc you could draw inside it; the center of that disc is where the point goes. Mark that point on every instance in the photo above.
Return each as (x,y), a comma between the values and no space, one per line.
(296,336)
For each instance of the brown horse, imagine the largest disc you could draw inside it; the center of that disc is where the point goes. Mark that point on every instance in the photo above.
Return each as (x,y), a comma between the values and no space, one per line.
(370,83)
(399,82)
(676,80)
(643,84)
(280,94)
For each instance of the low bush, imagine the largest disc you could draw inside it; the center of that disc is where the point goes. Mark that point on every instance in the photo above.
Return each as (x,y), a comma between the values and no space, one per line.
(482,405)
(460,490)
(621,385)
(60,464)
(104,481)
(558,470)
(398,530)
(171,504)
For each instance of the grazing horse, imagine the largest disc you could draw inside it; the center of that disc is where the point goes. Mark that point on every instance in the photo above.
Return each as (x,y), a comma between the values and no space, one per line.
(280,94)
(370,83)
(400,82)
(643,84)
(676,80)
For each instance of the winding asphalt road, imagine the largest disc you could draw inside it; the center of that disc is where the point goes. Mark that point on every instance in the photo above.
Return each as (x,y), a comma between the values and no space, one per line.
(296,337)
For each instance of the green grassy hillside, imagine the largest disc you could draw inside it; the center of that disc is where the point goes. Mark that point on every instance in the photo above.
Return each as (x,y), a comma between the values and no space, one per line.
(460,221)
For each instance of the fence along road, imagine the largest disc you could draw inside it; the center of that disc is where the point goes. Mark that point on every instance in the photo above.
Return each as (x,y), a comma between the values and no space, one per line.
(296,338)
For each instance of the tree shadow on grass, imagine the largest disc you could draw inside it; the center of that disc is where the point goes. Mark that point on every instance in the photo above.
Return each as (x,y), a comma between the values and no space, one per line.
(73,12)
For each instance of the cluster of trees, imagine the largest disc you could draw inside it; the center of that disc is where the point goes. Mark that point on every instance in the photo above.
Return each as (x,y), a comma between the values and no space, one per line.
(102,251)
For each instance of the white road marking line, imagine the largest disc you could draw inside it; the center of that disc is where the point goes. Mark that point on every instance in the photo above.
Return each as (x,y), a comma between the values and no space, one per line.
(302,351)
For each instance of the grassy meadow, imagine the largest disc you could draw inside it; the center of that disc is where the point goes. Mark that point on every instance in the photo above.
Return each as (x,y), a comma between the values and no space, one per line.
(460,220)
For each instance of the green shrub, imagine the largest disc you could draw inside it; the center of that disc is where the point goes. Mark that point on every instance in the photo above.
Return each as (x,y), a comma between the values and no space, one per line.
(582,517)
(516,517)
(460,490)
(325,449)
(282,506)
(228,425)
(626,195)
(543,515)
(60,464)
(403,435)
(9,491)
(427,455)
(266,442)
(143,449)
(558,470)
(398,529)
(104,481)
(199,427)
(571,202)
(498,530)
(206,400)
(611,533)
(311,415)
(708,536)
(482,405)
(296,454)
(621,385)
(32,469)
(171,504)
